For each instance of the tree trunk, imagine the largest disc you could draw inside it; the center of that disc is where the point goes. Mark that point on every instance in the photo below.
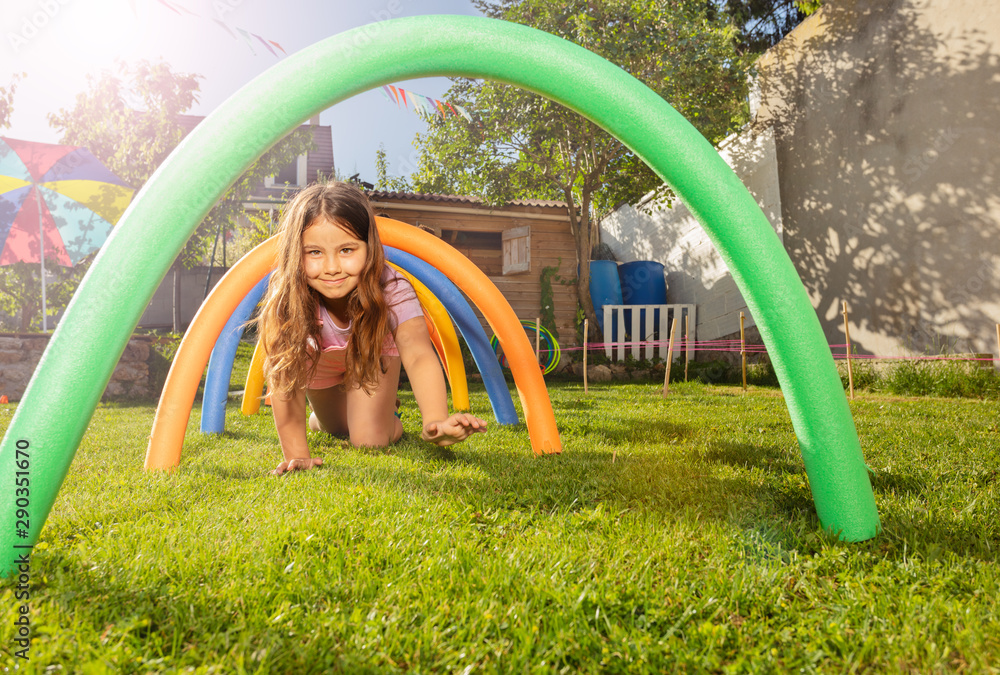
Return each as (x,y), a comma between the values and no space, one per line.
(177,298)
(580,226)
(583,287)
(28,311)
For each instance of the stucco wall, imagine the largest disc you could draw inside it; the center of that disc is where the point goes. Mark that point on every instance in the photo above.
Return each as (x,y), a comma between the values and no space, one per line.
(695,271)
(887,129)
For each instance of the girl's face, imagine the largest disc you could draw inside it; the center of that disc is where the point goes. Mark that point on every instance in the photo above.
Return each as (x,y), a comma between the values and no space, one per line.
(333,260)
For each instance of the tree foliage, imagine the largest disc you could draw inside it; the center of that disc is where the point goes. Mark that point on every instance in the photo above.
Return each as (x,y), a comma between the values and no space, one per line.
(384,180)
(129,120)
(760,24)
(521,145)
(7,100)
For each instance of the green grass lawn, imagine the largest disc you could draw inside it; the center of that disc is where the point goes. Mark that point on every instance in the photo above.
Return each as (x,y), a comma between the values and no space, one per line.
(696,550)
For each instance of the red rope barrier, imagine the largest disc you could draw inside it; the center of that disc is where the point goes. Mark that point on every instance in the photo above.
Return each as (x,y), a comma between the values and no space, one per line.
(733,346)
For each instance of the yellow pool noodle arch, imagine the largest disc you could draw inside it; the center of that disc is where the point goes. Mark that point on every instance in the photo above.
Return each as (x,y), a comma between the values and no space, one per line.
(450,350)
(254,386)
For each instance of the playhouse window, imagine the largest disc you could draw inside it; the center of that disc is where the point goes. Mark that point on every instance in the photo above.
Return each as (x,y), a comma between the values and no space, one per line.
(517,250)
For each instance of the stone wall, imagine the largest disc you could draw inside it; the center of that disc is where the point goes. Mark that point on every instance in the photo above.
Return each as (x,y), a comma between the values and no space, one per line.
(20,354)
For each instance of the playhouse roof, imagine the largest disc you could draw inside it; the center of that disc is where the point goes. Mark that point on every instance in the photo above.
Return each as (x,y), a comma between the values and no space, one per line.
(384,195)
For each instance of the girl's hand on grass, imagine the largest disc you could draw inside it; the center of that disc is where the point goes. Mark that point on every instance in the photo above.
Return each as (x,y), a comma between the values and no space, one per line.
(453,430)
(297,464)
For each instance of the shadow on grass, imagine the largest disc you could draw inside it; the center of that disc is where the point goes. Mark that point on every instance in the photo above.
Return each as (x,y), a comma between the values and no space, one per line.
(649,432)
(924,533)
(896,483)
(747,455)
(578,404)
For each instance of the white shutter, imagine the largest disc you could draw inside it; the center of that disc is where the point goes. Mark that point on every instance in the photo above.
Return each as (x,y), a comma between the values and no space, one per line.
(517,250)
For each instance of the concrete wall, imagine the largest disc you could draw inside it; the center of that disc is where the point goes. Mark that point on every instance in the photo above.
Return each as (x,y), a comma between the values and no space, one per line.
(695,271)
(160,312)
(886,119)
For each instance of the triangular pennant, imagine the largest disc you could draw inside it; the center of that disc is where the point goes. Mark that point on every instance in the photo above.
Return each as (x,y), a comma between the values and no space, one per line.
(184,9)
(441,108)
(402,92)
(168,6)
(246,36)
(227,28)
(452,108)
(266,46)
(279,47)
(395,93)
(463,112)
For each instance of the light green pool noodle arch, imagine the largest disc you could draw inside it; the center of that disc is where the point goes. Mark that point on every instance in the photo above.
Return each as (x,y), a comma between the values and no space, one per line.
(75,369)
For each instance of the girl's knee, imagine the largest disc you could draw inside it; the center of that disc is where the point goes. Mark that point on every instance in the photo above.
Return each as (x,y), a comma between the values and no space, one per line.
(370,440)
(377,437)
(314,423)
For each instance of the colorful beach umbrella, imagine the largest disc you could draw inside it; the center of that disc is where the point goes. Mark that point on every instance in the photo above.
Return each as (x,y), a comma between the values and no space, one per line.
(57,195)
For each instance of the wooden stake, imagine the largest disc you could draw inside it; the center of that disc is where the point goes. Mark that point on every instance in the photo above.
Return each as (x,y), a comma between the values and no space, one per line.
(687,343)
(586,333)
(847,334)
(743,352)
(998,344)
(670,358)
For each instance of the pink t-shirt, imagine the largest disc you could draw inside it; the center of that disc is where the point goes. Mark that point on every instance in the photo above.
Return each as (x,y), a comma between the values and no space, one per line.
(403,305)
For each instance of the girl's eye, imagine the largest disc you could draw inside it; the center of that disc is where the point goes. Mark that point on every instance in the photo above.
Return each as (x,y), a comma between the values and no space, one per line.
(346,251)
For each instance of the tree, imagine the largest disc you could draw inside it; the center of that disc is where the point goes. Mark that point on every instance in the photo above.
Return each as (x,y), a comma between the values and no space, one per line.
(384,180)
(130,121)
(21,291)
(7,100)
(760,24)
(520,145)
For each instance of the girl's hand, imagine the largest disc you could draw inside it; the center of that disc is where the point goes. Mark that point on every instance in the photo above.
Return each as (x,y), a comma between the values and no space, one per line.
(454,429)
(297,464)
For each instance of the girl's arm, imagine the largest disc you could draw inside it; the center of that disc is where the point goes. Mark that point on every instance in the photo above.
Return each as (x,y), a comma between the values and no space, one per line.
(290,421)
(423,369)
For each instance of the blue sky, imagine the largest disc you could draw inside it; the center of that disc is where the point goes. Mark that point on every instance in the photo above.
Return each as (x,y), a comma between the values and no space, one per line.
(59,42)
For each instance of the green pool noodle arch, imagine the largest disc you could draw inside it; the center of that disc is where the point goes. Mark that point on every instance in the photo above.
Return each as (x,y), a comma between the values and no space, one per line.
(73,372)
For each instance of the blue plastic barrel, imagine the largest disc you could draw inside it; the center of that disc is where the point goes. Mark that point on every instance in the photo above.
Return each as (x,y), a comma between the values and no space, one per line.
(642,283)
(605,287)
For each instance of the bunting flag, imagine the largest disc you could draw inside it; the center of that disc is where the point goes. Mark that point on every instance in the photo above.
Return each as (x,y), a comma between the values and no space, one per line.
(248,37)
(428,106)
(266,46)
(169,6)
(227,28)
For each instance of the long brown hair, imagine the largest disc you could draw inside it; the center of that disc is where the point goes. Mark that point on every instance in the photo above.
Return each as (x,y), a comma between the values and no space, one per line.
(288,317)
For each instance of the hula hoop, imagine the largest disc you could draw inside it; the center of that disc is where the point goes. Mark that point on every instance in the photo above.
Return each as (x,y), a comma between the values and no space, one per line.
(554,352)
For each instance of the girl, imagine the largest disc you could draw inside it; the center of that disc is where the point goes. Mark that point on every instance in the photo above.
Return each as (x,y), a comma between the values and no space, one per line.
(337,324)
